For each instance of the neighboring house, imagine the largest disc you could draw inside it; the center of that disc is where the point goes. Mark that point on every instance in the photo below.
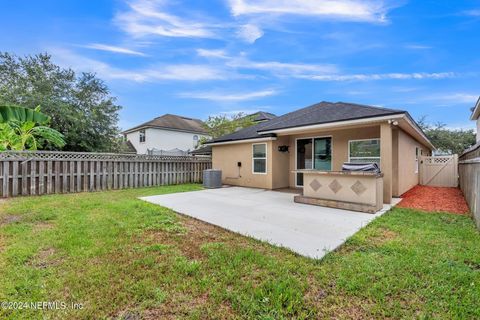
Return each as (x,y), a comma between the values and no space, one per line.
(476,117)
(166,133)
(323,137)
(202,151)
(262,116)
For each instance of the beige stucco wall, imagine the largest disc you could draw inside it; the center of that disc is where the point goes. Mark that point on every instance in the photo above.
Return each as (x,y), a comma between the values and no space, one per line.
(280,163)
(372,195)
(340,140)
(226,157)
(405,175)
(395,162)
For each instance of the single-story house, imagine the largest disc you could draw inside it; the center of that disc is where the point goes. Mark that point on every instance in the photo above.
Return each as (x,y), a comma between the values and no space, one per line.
(166,133)
(323,137)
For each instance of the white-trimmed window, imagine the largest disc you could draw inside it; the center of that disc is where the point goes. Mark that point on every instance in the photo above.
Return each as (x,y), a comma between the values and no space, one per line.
(366,150)
(417,153)
(259,158)
(142,136)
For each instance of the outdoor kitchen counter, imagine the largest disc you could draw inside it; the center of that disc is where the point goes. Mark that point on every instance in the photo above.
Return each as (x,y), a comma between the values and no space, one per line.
(350,190)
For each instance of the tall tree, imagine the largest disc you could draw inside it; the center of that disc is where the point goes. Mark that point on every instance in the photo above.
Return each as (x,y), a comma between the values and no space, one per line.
(80,106)
(220,125)
(445,139)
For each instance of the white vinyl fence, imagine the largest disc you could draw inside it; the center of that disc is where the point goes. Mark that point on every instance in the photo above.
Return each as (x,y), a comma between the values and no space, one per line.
(36,173)
(439,171)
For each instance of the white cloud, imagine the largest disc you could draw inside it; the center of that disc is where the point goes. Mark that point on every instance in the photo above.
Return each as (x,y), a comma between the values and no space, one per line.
(225,96)
(443,99)
(447,99)
(212,53)
(115,49)
(354,10)
(149,18)
(177,72)
(462,97)
(462,126)
(417,47)
(283,68)
(249,33)
(243,111)
(381,76)
(473,12)
(186,72)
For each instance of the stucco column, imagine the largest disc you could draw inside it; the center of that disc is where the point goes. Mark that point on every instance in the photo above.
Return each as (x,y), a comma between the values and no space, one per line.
(386,161)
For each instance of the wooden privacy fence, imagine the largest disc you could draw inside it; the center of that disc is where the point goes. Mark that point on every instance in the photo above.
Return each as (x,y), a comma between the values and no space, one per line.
(36,173)
(439,171)
(469,170)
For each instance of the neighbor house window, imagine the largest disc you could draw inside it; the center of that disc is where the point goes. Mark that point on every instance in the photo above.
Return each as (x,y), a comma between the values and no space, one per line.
(367,150)
(417,153)
(259,158)
(195,141)
(142,135)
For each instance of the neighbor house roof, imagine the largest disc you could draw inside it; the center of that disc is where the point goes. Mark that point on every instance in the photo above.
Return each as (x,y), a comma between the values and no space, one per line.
(203,150)
(172,122)
(317,114)
(476,111)
(262,116)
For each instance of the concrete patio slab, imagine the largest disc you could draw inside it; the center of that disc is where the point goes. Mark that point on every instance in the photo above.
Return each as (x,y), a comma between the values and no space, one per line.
(270,216)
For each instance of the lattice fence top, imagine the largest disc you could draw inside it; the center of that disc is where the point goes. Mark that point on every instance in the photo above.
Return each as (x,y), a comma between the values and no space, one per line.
(438,159)
(76,156)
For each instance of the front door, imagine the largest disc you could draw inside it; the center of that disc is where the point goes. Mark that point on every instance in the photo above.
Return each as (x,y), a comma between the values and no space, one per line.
(313,153)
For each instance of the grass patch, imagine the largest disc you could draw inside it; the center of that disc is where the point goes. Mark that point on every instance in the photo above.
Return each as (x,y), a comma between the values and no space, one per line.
(121,257)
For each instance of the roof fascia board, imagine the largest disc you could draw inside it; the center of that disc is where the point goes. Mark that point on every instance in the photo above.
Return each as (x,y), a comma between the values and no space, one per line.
(476,111)
(240,141)
(419,131)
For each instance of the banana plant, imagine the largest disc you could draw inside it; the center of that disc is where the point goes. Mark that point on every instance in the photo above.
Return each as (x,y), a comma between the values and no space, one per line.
(15,113)
(25,129)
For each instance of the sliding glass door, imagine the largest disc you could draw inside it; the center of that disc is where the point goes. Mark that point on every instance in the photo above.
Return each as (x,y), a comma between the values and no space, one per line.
(313,153)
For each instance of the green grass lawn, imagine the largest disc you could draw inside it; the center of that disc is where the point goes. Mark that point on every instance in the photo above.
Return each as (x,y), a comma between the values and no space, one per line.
(124,258)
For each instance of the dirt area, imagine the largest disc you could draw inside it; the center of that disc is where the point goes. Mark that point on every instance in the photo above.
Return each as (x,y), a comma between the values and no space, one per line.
(45,259)
(435,199)
(9,219)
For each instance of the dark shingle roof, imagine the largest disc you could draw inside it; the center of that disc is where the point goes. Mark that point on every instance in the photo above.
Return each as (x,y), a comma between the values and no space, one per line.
(203,150)
(262,116)
(323,112)
(171,121)
(326,112)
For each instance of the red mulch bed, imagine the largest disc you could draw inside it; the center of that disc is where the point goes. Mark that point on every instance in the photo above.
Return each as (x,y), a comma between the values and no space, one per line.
(435,199)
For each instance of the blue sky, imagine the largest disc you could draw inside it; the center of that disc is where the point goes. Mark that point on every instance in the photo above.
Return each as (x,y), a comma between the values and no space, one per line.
(198,58)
